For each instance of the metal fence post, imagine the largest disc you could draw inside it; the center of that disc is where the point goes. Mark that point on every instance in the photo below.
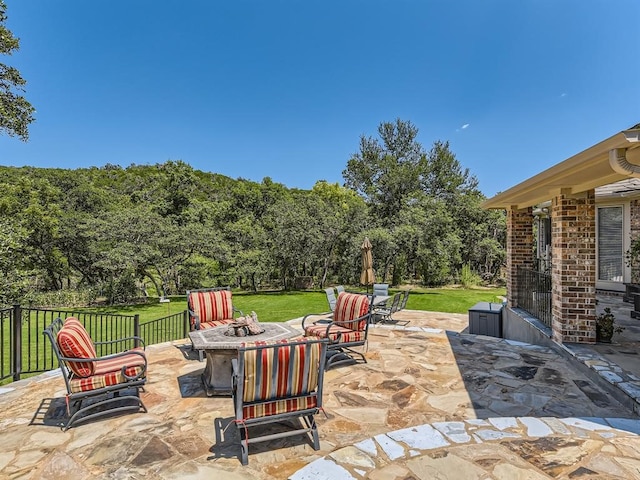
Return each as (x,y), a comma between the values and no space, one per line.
(16,357)
(185,324)
(136,329)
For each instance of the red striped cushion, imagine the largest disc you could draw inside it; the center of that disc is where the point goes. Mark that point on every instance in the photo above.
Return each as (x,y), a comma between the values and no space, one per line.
(74,342)
(273,373)
(211,306)
(279,406)
(335,332)
(109,372)
(216,323)
(349,307)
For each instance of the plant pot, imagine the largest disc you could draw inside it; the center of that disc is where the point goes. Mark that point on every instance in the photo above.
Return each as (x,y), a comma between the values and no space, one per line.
(604,333)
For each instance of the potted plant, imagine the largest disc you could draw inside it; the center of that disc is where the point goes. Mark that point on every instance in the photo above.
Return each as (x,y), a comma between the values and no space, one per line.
(606,326)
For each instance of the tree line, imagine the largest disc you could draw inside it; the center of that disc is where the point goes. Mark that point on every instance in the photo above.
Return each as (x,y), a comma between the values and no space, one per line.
(115,231)
(110,231)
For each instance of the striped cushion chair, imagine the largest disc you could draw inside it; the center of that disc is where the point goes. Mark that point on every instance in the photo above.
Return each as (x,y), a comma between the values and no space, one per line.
(112,382)
(275,381)
(348,327)
(210,307)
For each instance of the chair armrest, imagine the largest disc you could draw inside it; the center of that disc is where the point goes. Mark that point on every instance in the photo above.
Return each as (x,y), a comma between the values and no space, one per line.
(364,318)
(193,314)
(237,310)
(326,315)
(139,375)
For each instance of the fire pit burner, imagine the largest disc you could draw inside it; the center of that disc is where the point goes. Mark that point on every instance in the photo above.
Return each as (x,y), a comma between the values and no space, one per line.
(245,326)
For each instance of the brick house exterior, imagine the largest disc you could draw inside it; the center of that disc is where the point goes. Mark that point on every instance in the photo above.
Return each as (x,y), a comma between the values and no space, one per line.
(576,194)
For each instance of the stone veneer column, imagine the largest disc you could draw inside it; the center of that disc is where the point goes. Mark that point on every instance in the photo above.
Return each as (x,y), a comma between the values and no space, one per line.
(573,235)
(519,248)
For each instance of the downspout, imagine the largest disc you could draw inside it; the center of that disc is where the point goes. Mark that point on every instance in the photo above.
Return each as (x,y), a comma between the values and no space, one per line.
(619,163)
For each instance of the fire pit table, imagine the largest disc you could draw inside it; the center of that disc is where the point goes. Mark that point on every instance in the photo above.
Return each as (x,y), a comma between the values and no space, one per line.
(221,347)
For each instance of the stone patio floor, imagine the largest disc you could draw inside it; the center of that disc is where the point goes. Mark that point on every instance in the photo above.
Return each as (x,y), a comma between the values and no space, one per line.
(431,402)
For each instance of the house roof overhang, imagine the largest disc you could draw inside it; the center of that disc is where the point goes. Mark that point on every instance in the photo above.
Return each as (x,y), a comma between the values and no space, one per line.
(584,171)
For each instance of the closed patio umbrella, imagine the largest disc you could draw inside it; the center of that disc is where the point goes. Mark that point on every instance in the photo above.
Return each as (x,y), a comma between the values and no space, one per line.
(367,277)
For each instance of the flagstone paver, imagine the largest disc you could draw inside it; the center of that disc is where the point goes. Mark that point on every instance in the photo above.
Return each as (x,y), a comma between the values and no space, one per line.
(431,402)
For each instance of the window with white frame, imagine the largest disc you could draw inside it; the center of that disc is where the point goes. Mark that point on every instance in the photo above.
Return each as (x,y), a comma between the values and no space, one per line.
(610,244)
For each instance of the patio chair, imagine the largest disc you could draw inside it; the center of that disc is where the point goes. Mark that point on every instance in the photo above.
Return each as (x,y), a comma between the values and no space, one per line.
(210,307)
(331,298)
(403,302)
(384,314)
(347,328)
(274,382)
(340,289)
(108,384)
(381,289)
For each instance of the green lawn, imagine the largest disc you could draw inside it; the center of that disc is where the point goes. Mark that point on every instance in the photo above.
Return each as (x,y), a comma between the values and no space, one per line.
(282,306)
(270,307)
(452,300)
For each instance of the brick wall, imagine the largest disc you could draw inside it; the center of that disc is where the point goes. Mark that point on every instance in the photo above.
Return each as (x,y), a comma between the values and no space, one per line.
(519,248)
(573,271)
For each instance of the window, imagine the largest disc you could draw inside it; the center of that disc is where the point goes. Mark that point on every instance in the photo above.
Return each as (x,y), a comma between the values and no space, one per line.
(610,244)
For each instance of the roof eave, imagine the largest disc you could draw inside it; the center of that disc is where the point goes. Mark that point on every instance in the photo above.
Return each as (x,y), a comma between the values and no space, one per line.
(583,171)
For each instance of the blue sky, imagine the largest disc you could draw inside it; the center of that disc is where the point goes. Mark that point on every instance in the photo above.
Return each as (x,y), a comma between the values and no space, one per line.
(285,89)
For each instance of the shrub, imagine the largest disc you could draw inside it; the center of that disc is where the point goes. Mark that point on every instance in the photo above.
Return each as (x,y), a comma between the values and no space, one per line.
(468,278)
(61,298)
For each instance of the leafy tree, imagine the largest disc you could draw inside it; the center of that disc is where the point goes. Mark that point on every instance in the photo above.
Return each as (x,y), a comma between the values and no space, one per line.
(387,171)
(34,204)
(444,177)
(177,188)
(14,276)
(398,179)
(385,251)
(293,233)
(340,216)
(16,113)
(429,241)
(114,229)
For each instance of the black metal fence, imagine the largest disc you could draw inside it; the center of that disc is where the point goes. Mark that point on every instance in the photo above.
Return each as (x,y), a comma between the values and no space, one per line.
(534,294)
(24,349)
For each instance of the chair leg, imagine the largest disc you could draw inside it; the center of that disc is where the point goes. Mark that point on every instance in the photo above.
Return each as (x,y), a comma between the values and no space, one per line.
(311,423)
(244,445)
(80,411)
(339,355)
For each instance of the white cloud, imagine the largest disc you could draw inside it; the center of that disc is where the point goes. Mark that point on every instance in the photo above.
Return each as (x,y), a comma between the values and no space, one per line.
(562,95)
(466,125)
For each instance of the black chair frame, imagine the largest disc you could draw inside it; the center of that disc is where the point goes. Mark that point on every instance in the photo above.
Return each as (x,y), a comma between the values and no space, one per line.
(111,394)
(307,415)
(340,352)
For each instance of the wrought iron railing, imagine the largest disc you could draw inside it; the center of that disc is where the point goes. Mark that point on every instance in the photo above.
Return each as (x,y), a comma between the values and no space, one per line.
(24,349)
(534,294)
